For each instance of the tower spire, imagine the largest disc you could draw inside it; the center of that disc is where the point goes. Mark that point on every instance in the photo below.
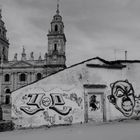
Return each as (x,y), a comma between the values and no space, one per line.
(57,11)
(0,11)
(56,42)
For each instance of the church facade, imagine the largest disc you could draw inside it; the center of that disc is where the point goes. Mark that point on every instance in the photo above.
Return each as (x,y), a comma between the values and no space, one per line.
(17,73)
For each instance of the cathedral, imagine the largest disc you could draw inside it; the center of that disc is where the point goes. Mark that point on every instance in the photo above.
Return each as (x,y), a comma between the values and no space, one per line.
(17,73)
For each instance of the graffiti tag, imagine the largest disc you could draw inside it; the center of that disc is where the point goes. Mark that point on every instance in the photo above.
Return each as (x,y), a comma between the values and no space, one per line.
(48,118)
(57,99)
(137,105)
(122,97)
(38,102)
(74,97)
(34,104)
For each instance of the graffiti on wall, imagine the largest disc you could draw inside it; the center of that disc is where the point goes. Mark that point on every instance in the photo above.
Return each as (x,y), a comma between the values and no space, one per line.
(52,107)
(38,101)
(67,119)
(123,97)
(137,105)
(50,119)
(33,104)
(73,97)
(93,103)
(57,99)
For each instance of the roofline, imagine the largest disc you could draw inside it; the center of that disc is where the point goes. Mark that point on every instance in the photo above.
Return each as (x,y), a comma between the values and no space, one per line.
(125,61)
(106,66)
(107,62)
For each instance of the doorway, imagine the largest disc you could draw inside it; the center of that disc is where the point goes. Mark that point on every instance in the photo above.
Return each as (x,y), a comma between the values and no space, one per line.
(95,107)
(95,110)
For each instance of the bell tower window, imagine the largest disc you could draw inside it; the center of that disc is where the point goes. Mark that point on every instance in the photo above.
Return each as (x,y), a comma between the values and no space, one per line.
(55,47)
(7,78)
(56,28)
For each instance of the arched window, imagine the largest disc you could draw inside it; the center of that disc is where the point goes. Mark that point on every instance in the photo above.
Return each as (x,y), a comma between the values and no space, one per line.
(22,77)
(7,78)
(38,76)
(56,28)
(7,91)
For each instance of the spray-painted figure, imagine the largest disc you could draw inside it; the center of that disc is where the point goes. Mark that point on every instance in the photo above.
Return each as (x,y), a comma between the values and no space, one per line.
(93,103)
(122,97)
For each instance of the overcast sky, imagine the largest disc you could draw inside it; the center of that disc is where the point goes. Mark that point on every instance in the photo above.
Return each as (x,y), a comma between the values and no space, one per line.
(104,28)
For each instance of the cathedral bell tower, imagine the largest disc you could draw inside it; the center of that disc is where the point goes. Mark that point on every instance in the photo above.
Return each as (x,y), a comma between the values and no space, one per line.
(56,43)
(4,43)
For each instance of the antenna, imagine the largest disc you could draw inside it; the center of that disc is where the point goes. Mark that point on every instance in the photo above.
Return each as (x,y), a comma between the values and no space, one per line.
(125,55)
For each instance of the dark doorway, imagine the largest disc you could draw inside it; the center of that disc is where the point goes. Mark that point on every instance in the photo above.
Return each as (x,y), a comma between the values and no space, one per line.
(7,99)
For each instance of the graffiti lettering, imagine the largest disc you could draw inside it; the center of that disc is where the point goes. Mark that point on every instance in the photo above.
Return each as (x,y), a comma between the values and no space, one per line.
(34,104)
(48,118)
(46,101)
(36,101)
(57,99)
(68,119)
(74,97)
(17,112)
(137,105)
(65,111)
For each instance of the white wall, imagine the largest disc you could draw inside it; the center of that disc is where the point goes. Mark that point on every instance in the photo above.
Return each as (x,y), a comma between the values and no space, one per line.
(68,84)
(127,106)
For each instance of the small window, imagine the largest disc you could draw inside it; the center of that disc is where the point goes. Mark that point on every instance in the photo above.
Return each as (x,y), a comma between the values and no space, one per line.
(22,77)
(56,28)
(55,47)
(7,78)
(38,76)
